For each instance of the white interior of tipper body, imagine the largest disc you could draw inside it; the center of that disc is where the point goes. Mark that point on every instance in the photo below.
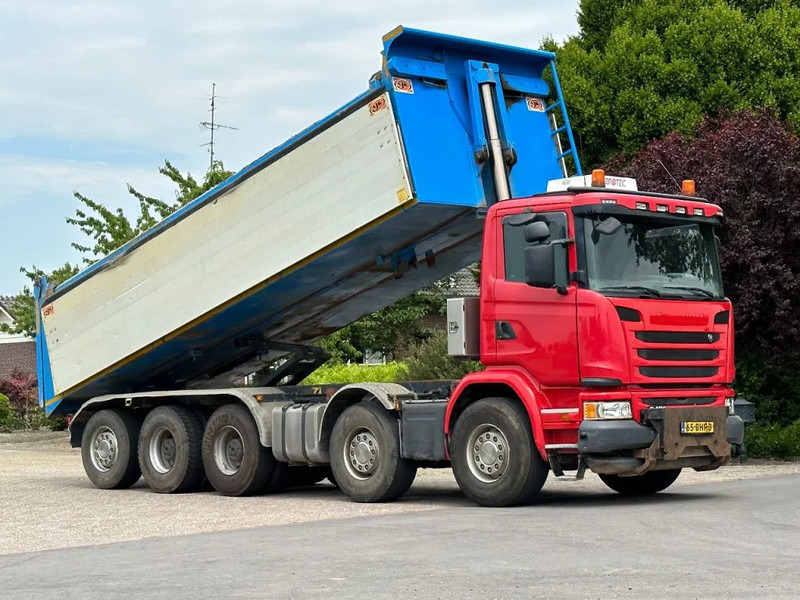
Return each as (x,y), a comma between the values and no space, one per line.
(344,178)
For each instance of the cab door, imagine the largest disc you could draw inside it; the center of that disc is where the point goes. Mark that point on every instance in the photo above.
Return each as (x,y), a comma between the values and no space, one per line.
(535,328)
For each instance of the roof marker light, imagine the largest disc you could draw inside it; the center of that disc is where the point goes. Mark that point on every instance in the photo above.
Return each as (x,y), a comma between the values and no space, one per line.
(681,210)
(598,178)
(698,212)
(641,206)
(662,207)
(687,187)
(608,201)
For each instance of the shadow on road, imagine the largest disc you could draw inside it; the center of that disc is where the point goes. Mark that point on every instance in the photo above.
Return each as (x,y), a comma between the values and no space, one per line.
(447,496)
(564,499)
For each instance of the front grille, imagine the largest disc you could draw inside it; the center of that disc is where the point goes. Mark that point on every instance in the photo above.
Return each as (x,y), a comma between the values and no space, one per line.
(676,337)
(678,371)
(678,401)
(672,354)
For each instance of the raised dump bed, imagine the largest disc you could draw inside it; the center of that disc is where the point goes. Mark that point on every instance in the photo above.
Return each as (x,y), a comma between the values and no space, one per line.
(379,199)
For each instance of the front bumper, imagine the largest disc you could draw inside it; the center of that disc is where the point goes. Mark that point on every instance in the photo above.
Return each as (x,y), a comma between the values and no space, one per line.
(626,446)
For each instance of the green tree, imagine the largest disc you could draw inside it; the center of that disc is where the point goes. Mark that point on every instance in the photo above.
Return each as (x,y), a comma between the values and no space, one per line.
(110,229)
(387,330)
(22,308)
(641,69)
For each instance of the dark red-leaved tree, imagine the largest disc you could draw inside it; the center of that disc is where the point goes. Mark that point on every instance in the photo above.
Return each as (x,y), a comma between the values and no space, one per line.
(20,388)
(749,164)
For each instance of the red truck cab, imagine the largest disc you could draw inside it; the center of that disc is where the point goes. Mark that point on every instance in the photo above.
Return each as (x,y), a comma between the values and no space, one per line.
(602,311)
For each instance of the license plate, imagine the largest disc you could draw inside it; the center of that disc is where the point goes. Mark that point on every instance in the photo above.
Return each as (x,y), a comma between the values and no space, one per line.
(697,427)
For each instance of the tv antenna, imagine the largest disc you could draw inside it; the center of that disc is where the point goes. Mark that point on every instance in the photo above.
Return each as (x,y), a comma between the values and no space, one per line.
(212,125)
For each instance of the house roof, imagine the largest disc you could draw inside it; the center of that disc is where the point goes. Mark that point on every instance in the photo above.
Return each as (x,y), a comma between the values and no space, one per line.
(5,305)
(459,284)
(462,284)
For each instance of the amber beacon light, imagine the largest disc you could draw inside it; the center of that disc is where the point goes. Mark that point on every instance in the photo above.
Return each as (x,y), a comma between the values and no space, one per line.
(687,187)
(598,178)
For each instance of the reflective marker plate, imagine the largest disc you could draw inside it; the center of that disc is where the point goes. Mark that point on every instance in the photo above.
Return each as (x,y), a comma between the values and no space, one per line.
(697,427)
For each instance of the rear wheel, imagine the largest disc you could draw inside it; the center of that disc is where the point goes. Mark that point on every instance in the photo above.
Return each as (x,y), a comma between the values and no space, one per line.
(365,455)
(236,463)
(494,458)
(170,450)
(651,482)
(109,449)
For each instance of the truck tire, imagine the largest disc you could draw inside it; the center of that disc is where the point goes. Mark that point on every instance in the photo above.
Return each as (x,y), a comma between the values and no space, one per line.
(494,458)
(236,463)
(365,455)
(651,482)
(109,449)
(170,450)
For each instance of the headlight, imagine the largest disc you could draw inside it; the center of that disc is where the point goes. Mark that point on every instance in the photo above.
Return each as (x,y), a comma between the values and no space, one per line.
(607,410)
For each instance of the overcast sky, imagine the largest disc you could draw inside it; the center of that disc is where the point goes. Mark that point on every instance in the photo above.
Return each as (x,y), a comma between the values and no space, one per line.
(95,94)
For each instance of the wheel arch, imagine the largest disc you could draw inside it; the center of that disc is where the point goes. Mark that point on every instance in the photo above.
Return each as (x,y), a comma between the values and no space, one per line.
(389,395)
(142,402)
(491,384)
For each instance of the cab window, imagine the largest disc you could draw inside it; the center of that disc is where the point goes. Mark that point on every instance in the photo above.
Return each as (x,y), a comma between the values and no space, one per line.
(514,247)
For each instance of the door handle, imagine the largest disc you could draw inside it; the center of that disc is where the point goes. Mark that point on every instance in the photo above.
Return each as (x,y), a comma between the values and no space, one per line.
(504,330)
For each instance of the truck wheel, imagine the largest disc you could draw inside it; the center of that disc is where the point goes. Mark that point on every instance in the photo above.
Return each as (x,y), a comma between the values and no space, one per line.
(236,463)
(651,482)
(365,455)
(109,449)
(494,458)
(170,450)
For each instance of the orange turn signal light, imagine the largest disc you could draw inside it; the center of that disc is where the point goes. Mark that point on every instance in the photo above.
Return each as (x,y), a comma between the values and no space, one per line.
(687,187)
(598,178)
(590,410)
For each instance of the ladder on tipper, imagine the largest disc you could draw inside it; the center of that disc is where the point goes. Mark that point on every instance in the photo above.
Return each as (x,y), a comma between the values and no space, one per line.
(495,146)
(565,128)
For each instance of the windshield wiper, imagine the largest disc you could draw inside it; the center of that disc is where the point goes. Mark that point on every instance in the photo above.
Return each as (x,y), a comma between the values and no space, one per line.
(696,290)
(640,289)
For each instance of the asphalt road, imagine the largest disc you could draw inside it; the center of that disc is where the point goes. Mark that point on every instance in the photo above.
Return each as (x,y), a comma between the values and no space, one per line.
(736,539)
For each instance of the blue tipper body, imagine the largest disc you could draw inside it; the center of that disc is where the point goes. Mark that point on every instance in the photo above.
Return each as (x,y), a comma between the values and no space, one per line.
(432,80)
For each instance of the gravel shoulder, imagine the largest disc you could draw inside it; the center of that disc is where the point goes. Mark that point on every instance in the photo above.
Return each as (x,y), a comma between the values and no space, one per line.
(46,501)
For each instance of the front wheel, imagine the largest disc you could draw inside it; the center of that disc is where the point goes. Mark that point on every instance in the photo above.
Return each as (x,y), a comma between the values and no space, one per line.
(109,449)
(651,482)
(495,461)
(365,455)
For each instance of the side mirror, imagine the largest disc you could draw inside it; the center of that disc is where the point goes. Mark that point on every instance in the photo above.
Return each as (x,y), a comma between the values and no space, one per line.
(536,232)
(540,265)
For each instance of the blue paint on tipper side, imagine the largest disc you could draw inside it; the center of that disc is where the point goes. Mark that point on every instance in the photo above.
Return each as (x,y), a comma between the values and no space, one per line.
(43,374)
(433,81)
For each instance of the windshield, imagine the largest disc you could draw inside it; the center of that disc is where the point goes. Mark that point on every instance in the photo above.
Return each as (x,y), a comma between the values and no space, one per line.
(650,257)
